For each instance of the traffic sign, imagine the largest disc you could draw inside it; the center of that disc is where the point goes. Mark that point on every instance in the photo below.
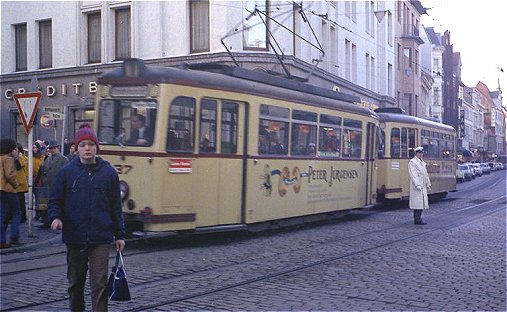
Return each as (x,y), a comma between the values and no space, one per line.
(46,121)
(27,104)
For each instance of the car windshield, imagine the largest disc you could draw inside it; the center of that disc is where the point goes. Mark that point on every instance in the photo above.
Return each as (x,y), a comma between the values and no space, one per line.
(127,122)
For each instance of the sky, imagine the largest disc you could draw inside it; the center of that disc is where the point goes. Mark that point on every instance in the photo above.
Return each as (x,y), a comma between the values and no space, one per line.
(478,30)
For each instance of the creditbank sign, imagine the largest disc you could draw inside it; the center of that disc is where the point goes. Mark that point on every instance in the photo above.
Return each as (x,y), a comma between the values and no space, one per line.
(52,90)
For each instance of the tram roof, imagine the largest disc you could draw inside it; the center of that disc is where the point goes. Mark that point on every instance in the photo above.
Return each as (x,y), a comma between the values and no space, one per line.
(401,118)
(229,78)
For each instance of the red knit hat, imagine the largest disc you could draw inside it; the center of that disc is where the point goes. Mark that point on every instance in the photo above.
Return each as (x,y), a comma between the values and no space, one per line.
(86,132)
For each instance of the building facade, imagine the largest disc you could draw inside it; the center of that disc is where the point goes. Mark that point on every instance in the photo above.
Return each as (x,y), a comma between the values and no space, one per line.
(372,49)
(408,63)
(431,58)
(60,47)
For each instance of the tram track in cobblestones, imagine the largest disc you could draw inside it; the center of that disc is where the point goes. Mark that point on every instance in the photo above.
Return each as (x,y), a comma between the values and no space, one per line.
(459,222)
(466,214)
(59,253)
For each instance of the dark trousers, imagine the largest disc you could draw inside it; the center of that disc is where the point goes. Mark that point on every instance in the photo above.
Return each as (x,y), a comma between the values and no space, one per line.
(79,257)
(9,211)
(417,215)
(22,206)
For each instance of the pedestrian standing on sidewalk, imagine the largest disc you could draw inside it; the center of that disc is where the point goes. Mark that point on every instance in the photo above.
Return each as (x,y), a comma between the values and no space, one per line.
(419,185)
(48,173)
(9,203)
(22,177)
(37,160)
(86,205)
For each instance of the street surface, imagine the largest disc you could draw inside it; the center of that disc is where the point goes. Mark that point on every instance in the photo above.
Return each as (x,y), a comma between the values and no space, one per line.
(374,259)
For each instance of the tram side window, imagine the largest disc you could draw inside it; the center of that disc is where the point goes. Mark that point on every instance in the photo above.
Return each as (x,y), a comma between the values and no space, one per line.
(352,138)
(208,126)
(127,122)
(395,142)
(450,150)
(411,142)
(404,143)
(330,136)
(229,133)
(441,149)
(273,130)
(432,149)
(180,134)
(304,133)
(381,144)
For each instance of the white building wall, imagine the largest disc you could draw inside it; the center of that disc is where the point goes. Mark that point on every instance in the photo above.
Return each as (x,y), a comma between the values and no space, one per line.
(160,29)
(63,23)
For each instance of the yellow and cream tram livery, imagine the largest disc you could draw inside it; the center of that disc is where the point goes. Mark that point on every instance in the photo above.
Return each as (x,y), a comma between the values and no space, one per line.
(399,135)
(231,147)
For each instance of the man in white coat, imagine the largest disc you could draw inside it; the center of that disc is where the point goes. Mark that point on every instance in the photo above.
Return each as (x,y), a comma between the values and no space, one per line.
(419,185)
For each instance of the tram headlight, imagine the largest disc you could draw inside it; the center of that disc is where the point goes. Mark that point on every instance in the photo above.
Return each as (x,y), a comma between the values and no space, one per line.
(124,190)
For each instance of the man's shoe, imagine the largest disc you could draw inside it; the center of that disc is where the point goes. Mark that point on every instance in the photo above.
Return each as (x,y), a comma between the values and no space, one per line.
(420,223)
(4,245)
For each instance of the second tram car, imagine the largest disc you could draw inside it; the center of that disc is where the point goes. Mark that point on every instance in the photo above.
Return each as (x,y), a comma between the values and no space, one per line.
(221,147)
(399,135)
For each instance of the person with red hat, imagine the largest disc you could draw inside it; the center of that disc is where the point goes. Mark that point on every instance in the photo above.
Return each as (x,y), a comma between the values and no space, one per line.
(86,205)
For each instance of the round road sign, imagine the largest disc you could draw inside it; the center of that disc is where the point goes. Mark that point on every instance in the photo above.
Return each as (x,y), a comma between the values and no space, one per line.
(46,121)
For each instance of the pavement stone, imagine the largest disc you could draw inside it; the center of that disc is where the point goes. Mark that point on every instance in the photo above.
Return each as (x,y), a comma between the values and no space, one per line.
(39,237)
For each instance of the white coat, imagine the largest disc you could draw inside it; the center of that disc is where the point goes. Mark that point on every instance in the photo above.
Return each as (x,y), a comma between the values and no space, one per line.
(419,184)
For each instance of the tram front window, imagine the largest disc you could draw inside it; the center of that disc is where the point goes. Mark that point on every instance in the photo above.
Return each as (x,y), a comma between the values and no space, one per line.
(127,122)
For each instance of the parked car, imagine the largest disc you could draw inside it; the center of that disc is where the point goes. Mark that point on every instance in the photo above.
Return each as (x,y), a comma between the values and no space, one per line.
(472,169)
(493,166)
(478,169)
(463,173)
(485,168)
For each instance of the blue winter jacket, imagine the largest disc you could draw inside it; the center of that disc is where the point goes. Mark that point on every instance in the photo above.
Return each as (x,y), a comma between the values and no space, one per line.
(87,200)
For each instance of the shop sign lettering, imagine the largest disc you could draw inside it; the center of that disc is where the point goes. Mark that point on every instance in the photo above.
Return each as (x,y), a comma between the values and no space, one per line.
(51,90)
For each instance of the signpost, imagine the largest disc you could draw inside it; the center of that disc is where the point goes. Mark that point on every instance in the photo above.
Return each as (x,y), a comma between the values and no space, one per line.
(28,104)
(54,112)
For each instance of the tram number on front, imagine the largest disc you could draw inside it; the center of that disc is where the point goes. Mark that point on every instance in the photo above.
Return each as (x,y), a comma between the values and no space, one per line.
(123,169)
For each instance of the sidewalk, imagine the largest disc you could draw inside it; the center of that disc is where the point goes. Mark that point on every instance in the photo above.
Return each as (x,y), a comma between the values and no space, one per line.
(39,237)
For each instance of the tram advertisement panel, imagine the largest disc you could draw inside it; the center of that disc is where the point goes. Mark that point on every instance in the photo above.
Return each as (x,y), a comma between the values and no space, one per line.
(297,188)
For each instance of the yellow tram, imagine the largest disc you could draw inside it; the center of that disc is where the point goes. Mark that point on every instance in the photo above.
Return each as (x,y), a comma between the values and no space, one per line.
(399,135)
(217,147)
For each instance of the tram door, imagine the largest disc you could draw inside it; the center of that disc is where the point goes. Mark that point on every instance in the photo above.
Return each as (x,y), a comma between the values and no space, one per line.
(218,187)
(371,164)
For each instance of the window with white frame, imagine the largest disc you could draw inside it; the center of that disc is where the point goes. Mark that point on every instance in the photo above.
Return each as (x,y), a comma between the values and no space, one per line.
(21,47)
(45,44)
(255,25)
(94,37)
(199,26)
(122,33)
